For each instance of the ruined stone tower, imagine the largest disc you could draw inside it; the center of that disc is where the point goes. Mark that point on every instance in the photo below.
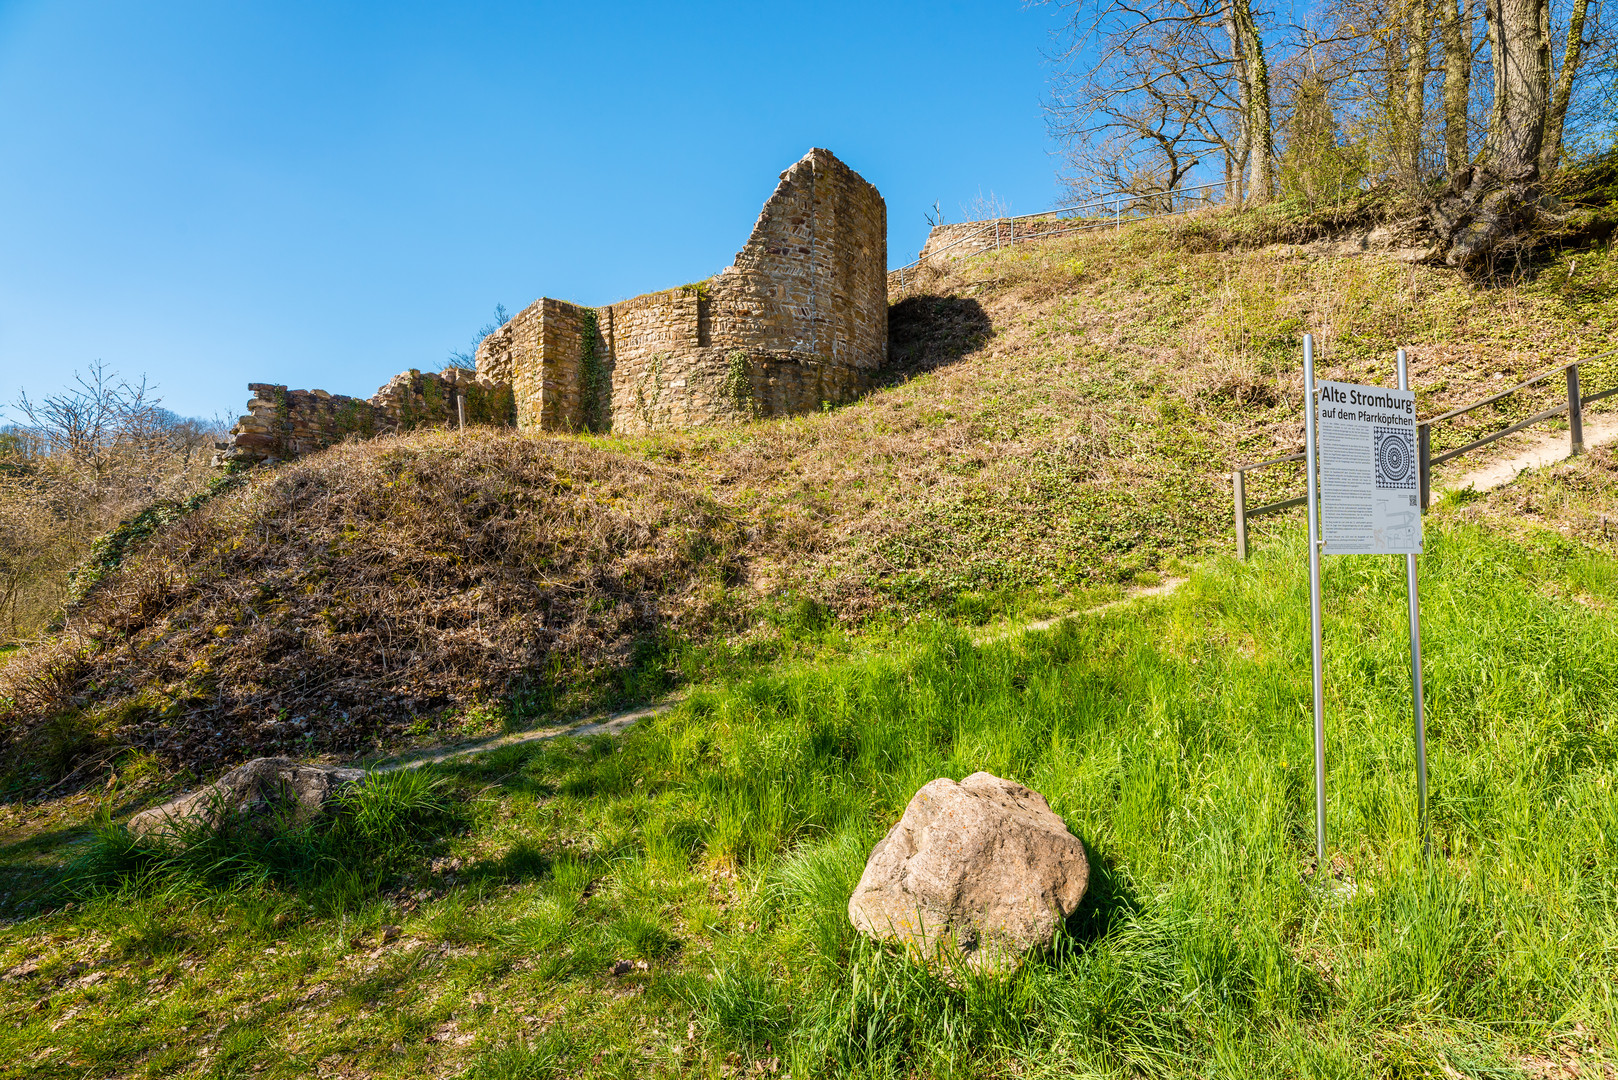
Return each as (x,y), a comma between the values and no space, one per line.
(799,320)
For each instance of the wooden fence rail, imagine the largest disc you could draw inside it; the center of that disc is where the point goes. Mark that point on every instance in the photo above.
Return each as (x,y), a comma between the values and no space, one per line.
(1573,407)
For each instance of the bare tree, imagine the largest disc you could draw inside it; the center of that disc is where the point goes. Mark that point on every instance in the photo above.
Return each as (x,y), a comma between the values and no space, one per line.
(1455,37)
(1147,93)
(1562,95)
(467,359)
(88,422)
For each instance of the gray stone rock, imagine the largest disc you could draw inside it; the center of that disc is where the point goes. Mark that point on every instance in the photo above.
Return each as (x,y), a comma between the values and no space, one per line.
(983,870)
(272,790)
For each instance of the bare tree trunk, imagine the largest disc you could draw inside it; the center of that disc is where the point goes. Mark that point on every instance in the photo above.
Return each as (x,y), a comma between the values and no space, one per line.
(1418,19)
(1550,154)
(1260,138)
(1488,210)
(1244,95)
(1455,31)
(1522,85)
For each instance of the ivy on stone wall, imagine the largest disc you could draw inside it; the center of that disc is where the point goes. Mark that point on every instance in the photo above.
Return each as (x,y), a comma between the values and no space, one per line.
(595,386)
(356,418)
(644,403)
(738,386)
(283,422)
(408,417)
(432,399)
(492,405)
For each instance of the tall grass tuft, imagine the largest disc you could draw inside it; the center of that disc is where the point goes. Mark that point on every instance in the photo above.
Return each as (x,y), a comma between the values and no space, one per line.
(375,827)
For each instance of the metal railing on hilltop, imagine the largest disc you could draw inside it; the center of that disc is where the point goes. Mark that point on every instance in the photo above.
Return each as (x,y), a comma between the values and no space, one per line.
(1125,206)
(1573,406)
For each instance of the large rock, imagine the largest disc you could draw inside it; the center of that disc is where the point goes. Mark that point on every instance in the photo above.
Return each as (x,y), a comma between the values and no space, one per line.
(272,790)
(982,868)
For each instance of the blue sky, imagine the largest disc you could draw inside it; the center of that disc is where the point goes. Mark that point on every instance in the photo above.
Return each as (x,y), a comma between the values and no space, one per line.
(325,194)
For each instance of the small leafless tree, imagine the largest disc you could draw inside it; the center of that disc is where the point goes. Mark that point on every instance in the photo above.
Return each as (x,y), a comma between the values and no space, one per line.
(75,463)
(89,420)
(986,207)
(467,358)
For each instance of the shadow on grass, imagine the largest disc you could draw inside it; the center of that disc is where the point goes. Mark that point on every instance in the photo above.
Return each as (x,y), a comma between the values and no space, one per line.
(929,332)
(1107,903)
(32,868)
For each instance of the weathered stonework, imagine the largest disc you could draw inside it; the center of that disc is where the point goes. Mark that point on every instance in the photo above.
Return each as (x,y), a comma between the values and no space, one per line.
(282,423)
(963,239)
(798,321)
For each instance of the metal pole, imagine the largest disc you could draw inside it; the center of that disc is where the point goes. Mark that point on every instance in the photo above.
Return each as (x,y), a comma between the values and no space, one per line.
(1424,458)
(1238,483)
(1314,600)
(460,409)
(1415,664)
(1575,416)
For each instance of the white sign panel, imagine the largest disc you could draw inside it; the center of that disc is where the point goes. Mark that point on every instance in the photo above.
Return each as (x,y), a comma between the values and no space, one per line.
(1369,484)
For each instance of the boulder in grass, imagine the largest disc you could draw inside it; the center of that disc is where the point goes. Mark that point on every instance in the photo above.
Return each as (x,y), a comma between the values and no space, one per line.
(981,871)
(271,790)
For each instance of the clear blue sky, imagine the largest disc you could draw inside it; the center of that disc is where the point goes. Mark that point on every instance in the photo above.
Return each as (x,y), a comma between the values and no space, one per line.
(325,194)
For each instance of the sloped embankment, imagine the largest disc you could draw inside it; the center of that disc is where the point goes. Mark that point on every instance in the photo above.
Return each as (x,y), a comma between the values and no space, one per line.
(1065,414)
(1057,416)
(335,600)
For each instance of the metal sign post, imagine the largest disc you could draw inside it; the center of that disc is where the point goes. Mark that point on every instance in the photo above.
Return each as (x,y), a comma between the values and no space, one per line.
(1363,497)
(1415,664)
(1310,408)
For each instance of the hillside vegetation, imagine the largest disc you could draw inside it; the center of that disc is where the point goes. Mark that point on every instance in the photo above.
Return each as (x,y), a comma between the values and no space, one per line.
(673,902)
(1060,419)
(833,592)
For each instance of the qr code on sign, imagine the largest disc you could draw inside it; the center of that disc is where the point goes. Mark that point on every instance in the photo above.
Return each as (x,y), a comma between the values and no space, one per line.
(1395,459)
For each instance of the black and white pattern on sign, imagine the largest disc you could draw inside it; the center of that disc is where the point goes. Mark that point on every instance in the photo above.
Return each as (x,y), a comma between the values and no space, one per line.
(1395,459)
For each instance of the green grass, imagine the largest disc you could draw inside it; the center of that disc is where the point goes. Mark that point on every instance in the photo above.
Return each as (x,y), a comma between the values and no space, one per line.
(717,846)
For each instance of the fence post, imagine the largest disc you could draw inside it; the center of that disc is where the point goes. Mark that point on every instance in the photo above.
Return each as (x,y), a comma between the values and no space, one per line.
(1238,483)
(1575,418)
(460,409)
(1424,462)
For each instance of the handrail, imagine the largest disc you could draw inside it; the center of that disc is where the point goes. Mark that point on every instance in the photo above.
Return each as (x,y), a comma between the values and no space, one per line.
(1114,199)
(1573,407)
(1464,409)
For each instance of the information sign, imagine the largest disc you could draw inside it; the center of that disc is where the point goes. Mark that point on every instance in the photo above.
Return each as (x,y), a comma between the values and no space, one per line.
(1369,479)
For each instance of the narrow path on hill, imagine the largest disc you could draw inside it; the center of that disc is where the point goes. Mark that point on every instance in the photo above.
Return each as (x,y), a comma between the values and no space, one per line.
(610,724)
(1546,448)
(614,723)
(1533,453)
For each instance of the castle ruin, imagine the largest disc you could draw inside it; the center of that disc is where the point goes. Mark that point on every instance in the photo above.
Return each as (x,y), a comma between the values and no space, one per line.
(799,321)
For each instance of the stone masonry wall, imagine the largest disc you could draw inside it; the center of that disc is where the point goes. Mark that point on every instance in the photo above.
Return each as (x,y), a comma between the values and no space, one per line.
(281,424)
(799,320)
(963,239)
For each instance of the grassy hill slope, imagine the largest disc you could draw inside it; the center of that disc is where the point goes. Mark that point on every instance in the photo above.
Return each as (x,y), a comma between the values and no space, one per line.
(672,903)
(1060,419)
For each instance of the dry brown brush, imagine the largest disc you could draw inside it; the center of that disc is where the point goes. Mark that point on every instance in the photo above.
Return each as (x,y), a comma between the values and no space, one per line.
(336,601)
